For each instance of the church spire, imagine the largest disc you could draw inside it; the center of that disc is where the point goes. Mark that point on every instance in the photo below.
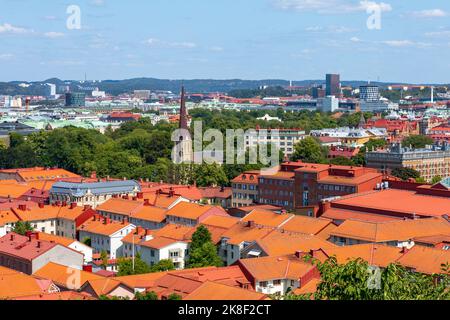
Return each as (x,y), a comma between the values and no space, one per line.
(183,110)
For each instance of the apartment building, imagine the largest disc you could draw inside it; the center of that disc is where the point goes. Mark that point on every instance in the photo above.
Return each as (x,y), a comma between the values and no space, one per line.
(429,162)
(105,235)
(28,253)
(245,189)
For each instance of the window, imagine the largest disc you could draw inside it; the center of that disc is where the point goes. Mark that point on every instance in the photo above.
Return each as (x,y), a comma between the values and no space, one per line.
(263,284)
(276,282)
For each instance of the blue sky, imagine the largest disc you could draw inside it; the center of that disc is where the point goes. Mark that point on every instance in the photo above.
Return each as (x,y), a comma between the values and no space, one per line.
(223,39)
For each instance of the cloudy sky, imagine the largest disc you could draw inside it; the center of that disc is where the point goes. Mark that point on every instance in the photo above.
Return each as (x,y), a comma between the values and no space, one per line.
(222,39)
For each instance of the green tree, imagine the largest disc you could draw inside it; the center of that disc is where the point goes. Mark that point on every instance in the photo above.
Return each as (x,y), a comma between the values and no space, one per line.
(357,280)
(150,295)
(405,173)
(126,266)
(342,161)
(417,141)
(104,258)
(210,175)
(202,251)
(309,150)
(436,179)
(174,296)
(163,265)
(22,227)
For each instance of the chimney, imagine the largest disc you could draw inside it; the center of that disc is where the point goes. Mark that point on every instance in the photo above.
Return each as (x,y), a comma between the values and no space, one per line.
(404,250)
(135,198)
(38,244)
(22,207)
(41,205)
(140,195)
(73,205)
(87,207)
(300,254)
(251,224)
(64,204)
(324,206)
(93,175)
(12,237)
(171,194)
(146,202)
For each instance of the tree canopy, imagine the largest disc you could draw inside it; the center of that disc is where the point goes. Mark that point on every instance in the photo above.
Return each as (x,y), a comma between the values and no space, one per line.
(202,251)
(417,141)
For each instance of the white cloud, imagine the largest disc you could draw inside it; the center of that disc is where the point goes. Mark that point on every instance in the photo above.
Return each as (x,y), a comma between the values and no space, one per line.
(355,39)
(216,49)
(432,13)
(438,34)
(399,43)
(405,43)
(331,6)
(330,29)
(157,43)
(6,56)
(9,28)
(53,34)
(98,3)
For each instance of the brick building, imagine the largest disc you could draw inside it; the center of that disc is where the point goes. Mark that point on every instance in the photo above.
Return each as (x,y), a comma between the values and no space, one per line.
(299,184)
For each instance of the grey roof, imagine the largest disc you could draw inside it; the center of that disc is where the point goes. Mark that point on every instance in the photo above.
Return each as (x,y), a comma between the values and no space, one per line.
(96,188)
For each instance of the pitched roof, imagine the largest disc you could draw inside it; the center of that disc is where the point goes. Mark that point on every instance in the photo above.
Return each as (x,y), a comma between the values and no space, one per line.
(309,288)
(141,280)
(64,276)
(375,254)
(97,188)
(425,260)
(272,267)
(7,216)
(267,218)
(402,230)
(158,243)
(56,239)
(243,232)
(342,214)
(65,295)
(306,225)
(133,208)
(102,228)
(16,245)
(102,286)
(279,243)
(395,201)
(217,291)
(15,284)
(221,222)
(40,173)
(189,210)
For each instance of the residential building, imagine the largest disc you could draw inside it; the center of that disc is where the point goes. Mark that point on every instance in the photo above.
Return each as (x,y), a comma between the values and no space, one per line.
(394,233)
(28,253)
(278,275)
(314,182)
(351,137)
(92,193)
(245,189)
(191,214)
(105,235)
(429,162)
(36,174)
(7,221)
(69,243)
(388,205)
(283,139)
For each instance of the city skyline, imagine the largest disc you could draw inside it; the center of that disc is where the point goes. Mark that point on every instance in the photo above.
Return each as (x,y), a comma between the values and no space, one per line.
(258,39)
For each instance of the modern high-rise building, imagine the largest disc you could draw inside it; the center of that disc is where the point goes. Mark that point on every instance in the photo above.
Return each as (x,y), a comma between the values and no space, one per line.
(333,85)
(318,92)
(75,99)
(369,93)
